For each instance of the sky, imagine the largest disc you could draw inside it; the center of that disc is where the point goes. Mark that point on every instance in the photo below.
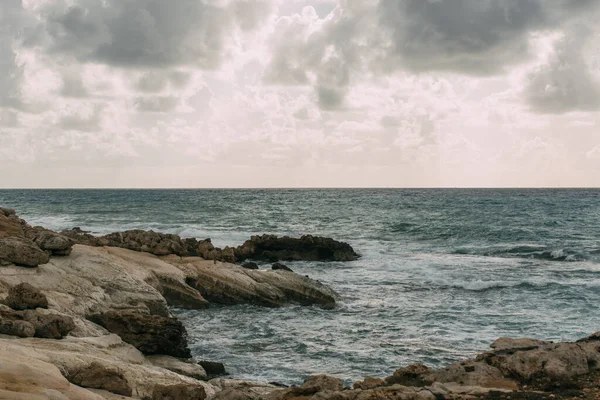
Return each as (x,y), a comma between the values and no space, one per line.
(299,93)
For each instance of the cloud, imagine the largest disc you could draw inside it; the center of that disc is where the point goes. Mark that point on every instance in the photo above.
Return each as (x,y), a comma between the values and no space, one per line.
(565,82)
(370,39)
(145,33)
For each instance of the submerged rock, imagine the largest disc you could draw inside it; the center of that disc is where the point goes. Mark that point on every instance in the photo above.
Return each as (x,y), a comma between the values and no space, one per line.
(213,368)
(279,266)
(151,334)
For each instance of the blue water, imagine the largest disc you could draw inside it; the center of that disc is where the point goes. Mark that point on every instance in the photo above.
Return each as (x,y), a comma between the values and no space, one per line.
(443,272)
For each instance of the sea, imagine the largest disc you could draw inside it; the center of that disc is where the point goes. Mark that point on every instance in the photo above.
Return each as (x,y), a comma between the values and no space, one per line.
(443,272)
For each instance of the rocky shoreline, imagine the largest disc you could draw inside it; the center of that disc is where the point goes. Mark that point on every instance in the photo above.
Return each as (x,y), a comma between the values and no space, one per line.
(87,317)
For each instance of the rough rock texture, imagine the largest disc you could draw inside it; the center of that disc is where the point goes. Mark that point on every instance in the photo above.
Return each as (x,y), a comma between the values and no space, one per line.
(105,365)
(45,323)
(99,376)
(179,366)
(250,265)
(24,297)
(266,247)
(213,368)
(22,251)
(56,244)
(282,267)
(230,284)
(309,248)
(178,392)
(151,334)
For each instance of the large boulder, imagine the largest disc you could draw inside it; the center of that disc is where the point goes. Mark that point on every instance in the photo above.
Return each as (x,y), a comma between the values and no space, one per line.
(45,324)
(151,334)
(22,251)
(308,248)
(182,367)
(24,297)
(100,376)
(55,243)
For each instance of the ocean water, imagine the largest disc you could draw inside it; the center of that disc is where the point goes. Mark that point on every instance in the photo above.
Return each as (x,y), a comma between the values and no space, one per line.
(442,274)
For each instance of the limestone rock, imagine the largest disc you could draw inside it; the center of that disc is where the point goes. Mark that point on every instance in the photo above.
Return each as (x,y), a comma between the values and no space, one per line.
(24,296)
(319,383)
(512,345)
(17,328)
(22,251)
(151,334)
(57,244)
(178,392)
(413,375)
(181,367)
(369,383)
(49,324)
(98,376)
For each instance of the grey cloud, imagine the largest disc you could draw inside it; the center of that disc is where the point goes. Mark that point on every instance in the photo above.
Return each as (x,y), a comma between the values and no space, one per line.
(144,34)
(86,123)
(73,86)
(156,103)
(565,83)
(157,81)
(472,37)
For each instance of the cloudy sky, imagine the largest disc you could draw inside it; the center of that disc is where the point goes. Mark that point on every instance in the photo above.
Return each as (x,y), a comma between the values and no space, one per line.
(299,93)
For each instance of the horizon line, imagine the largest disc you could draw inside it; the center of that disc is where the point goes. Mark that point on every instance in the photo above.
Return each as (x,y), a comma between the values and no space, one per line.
(310,188)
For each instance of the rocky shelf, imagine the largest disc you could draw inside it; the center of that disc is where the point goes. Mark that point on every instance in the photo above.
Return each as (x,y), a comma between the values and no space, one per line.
(86,317)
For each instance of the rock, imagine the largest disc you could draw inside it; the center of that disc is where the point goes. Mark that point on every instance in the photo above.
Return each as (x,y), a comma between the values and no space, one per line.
(7,212)
(151,334)
(234,389)
(280,266)
(45,323)
(413,375)
(178,392)
(512,345)
(319,383)
(369,383)
(308,248)
(57,244)
(22,251)
(23,377)
(212,368)
(250,265)
(231,284)
(16,328)
(48,324)
(178,366)
(99,376)
(472,373)
(24,296)
(554,362)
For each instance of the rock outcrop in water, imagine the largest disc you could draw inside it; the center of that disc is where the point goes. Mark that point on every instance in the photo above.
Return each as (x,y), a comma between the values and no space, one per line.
(94,323)
(265,247)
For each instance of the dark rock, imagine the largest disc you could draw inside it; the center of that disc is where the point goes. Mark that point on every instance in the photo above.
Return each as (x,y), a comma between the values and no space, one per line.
(49,325)
(250,265)
(151,334)
(45,324)
(16,328)
(309,248)
(24,297)
(212,368)
(178,392)
(98,376)
(280,266)
(22,251)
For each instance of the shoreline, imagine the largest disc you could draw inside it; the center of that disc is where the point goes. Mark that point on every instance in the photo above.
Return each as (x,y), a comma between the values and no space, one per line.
(117,293)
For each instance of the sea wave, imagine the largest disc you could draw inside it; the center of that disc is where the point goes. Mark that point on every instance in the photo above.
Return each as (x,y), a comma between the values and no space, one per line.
(529,252)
